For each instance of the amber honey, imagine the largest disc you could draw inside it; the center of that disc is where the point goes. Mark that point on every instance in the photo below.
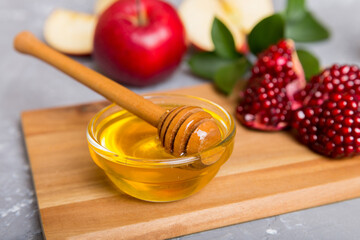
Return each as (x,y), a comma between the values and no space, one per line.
(132,157)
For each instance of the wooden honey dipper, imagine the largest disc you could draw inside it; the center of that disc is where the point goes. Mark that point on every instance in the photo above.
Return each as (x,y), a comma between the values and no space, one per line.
(182,130)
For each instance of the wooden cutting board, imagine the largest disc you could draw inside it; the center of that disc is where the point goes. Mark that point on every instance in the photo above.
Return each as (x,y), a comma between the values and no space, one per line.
(267,174)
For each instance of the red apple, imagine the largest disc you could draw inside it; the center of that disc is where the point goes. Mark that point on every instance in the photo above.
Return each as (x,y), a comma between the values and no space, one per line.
(138,52)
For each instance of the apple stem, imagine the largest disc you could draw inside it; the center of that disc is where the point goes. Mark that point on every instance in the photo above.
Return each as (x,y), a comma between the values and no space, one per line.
(140,13)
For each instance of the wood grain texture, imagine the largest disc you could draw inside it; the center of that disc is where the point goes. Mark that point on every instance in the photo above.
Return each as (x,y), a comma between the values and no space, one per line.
(268,174)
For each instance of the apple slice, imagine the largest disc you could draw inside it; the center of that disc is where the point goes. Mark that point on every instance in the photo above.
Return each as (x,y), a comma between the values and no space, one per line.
(70,32)
(249,13)
(198,15)
(102,5)
(240,16)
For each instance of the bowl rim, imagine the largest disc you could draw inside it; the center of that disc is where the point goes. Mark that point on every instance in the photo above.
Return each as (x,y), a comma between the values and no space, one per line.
(95,145)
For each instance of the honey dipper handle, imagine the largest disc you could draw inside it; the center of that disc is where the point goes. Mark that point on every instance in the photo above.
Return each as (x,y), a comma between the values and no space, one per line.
(26,42)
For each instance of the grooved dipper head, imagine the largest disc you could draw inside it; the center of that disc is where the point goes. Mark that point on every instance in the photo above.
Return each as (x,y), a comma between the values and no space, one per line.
(187,130)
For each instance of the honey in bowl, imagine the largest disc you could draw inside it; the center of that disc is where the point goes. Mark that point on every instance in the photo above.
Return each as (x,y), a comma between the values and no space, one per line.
(129,151)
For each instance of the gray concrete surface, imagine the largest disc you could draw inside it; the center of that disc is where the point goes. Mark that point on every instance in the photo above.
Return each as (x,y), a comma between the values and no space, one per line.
(26,83)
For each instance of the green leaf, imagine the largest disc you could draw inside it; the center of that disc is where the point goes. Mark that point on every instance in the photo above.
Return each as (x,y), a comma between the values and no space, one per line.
(227,76)
(267,32)
(309,63)
(306,29)
(223,40)
(206,64)
(295,10)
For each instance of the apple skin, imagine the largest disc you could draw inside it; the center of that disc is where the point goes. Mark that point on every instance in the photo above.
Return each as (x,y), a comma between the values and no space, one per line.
(139,55)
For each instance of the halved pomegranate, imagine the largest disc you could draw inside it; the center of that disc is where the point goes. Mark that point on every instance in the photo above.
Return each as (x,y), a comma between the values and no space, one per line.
(267,101)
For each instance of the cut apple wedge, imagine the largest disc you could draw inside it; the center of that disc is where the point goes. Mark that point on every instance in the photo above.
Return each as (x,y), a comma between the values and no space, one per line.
(240,16)
(70,32)
(102,5)
(249,13)
(198,16)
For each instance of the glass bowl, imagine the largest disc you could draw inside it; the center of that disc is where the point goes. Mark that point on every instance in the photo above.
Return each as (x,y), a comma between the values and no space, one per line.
(156,179)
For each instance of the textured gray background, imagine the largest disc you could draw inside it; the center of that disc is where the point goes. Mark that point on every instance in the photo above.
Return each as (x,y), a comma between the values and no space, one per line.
(26,83)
